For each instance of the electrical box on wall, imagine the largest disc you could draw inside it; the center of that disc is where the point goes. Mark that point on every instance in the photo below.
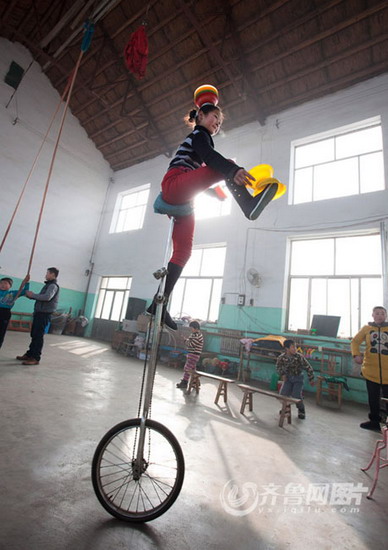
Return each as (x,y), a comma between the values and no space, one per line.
(241,300)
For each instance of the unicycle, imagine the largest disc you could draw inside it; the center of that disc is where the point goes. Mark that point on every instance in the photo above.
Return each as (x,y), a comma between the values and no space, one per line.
(138,466)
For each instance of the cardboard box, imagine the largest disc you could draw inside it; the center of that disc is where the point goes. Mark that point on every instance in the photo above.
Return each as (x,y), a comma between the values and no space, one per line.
(129,325)
(142,322)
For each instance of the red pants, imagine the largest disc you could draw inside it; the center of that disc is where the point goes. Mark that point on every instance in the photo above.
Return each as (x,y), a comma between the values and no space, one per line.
(179,186)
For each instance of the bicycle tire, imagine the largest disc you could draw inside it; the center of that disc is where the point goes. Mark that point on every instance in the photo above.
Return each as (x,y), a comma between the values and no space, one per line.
(158,487)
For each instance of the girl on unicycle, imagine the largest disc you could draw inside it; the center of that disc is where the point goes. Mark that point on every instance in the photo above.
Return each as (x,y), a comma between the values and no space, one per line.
(195,167)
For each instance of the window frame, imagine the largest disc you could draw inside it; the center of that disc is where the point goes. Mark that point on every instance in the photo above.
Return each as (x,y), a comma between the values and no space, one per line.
(322,136)
(118,208)
(116,290)
(348,277)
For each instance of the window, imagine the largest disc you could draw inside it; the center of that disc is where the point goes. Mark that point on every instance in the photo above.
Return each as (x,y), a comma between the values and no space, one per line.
(339,276)
(130,209)
(210,207)
(113,298)
(198,291)
(347,162)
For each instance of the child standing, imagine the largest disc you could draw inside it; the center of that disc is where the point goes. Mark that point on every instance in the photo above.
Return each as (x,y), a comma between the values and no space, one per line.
(194,344)
(289,366)
(374,363)
(8,298)
(195,167)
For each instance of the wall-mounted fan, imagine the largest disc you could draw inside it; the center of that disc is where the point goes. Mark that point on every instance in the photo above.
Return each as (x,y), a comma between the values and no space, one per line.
(254,277)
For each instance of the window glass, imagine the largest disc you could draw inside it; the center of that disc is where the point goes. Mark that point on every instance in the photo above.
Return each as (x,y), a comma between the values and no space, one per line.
(314,257)
(356,143)
(106,308)
(371,296)
(193,266)
(198,291)
(197,298)
(215,299)
(350,289)
(303,185)
(213,261)
(130,209)
(100,301)
(348,163)
(113,298)
(372,172)
(314,153)
(338,303)
(117,306)
(336,179)
(299,292)
(117,282)
(358,255)
(318,297)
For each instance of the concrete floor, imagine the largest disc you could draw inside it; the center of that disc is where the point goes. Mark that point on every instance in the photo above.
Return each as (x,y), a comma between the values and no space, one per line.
(53,415)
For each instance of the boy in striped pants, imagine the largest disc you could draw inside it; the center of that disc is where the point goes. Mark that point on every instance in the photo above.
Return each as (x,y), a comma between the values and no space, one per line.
(194,344)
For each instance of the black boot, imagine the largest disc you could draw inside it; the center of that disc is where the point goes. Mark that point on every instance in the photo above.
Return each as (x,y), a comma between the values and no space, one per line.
(250,205)
(173,273)
(166,317)
(301,412)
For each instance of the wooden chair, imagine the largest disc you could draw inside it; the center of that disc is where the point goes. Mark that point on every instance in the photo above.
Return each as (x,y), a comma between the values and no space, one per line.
(329,381)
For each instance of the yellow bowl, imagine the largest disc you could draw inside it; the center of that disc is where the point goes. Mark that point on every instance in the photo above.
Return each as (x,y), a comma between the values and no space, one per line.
(263,174)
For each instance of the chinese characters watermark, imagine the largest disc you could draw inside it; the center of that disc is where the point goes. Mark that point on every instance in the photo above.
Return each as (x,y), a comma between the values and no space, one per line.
(293,497)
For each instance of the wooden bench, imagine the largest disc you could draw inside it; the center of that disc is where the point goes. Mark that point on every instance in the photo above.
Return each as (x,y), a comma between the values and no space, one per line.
(285,412)
(195,383)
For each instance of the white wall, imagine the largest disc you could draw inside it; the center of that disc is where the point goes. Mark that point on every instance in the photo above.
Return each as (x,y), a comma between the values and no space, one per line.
(261,244)
(77,189)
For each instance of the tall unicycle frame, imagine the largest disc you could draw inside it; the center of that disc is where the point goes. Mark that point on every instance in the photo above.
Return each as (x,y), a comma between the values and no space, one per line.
(138,466)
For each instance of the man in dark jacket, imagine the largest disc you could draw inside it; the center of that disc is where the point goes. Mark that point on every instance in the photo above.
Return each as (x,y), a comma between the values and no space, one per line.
(45,304)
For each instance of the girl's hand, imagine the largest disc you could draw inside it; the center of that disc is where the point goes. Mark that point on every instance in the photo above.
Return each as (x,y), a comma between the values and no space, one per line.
(242,177)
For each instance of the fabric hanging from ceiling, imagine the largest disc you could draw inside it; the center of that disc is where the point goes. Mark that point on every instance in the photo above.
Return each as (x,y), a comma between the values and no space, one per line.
(136,52)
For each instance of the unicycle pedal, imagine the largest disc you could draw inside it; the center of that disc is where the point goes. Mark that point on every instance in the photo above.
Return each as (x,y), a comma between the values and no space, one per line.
(160,273)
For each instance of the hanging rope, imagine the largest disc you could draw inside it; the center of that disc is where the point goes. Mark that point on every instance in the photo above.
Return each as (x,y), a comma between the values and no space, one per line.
(33,166)
(88,32)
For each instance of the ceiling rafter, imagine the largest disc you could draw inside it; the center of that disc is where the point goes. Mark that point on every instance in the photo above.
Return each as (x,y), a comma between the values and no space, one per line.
(271,56)
(322,35)
(270,9)
(299,23)
(243,64)
(336,85)
(295,76)
(8,10)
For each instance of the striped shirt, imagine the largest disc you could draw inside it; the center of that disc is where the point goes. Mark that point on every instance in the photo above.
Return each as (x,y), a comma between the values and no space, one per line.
(194,342)
(198,149)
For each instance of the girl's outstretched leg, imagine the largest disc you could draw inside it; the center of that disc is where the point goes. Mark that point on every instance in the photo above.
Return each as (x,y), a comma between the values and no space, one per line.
(250,205)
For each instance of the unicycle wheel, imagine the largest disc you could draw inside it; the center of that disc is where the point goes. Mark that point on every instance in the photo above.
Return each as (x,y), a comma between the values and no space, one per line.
(123,493)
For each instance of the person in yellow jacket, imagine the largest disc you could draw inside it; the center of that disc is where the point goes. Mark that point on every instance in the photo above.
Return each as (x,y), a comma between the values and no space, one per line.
(374,363)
